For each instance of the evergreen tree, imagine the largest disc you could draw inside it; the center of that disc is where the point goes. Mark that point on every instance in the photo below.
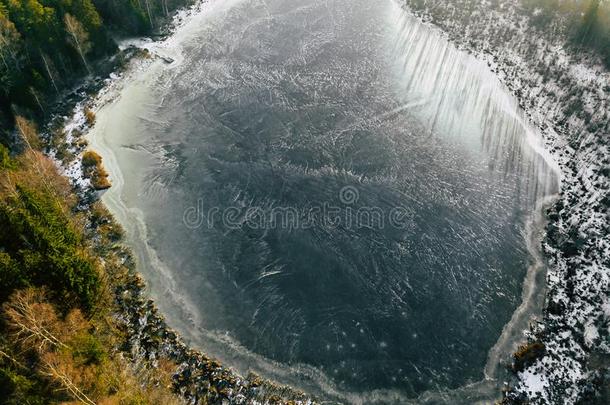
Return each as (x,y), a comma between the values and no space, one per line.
(10,49)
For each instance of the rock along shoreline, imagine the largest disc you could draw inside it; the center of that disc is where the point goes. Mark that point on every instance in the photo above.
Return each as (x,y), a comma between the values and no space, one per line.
(146,337)
(566,93)
(574,331)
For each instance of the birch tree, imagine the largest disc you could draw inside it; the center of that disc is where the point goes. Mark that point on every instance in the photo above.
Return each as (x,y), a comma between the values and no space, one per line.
(10,42)
(78,37)
(64,373)
(31,321)
(48,66)
(150,18)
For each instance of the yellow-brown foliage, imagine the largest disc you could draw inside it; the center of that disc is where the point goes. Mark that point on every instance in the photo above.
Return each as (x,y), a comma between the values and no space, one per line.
(37,172)
(527,354)
(90,116)
(74,355)
(91,159)
(32,321)
(67,354)
(28,132)
(94,170)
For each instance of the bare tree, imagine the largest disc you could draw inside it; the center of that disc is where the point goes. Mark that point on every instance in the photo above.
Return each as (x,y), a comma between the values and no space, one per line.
(49,69)
(31,320)
(78,37)
(147,2)
(63,373)
(34,324)
(36,96)
(28,133)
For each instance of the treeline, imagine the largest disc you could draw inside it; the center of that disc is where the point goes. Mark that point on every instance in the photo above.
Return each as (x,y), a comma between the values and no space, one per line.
(586,23)
(45,45)
(59,339)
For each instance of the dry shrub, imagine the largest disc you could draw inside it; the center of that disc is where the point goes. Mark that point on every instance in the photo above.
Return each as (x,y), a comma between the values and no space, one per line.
(527,354)
(93,169)
(91,159)
(90,116)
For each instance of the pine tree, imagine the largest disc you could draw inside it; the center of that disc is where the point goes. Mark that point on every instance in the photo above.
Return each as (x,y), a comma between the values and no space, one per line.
(10,58)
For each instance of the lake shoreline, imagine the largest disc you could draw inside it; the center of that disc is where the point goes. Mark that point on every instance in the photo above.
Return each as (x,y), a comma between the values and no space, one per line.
(492,388)
(143,309)
(149,338)
(573,244)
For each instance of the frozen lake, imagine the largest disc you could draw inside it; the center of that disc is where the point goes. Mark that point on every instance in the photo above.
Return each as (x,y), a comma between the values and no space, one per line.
(327,192)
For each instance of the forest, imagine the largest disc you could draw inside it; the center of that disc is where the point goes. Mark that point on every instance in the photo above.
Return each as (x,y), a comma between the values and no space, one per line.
(46,46)
(58,337)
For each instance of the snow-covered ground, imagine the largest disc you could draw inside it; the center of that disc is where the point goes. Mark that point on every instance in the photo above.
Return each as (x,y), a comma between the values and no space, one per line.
(567,94)
(75,126)
(198,378)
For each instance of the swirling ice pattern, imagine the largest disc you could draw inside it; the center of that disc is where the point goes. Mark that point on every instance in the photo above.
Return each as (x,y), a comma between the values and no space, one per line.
(281,103)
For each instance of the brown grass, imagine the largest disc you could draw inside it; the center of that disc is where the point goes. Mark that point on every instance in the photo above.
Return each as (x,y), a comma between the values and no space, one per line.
(90,117)
(93,169)
(527,354)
